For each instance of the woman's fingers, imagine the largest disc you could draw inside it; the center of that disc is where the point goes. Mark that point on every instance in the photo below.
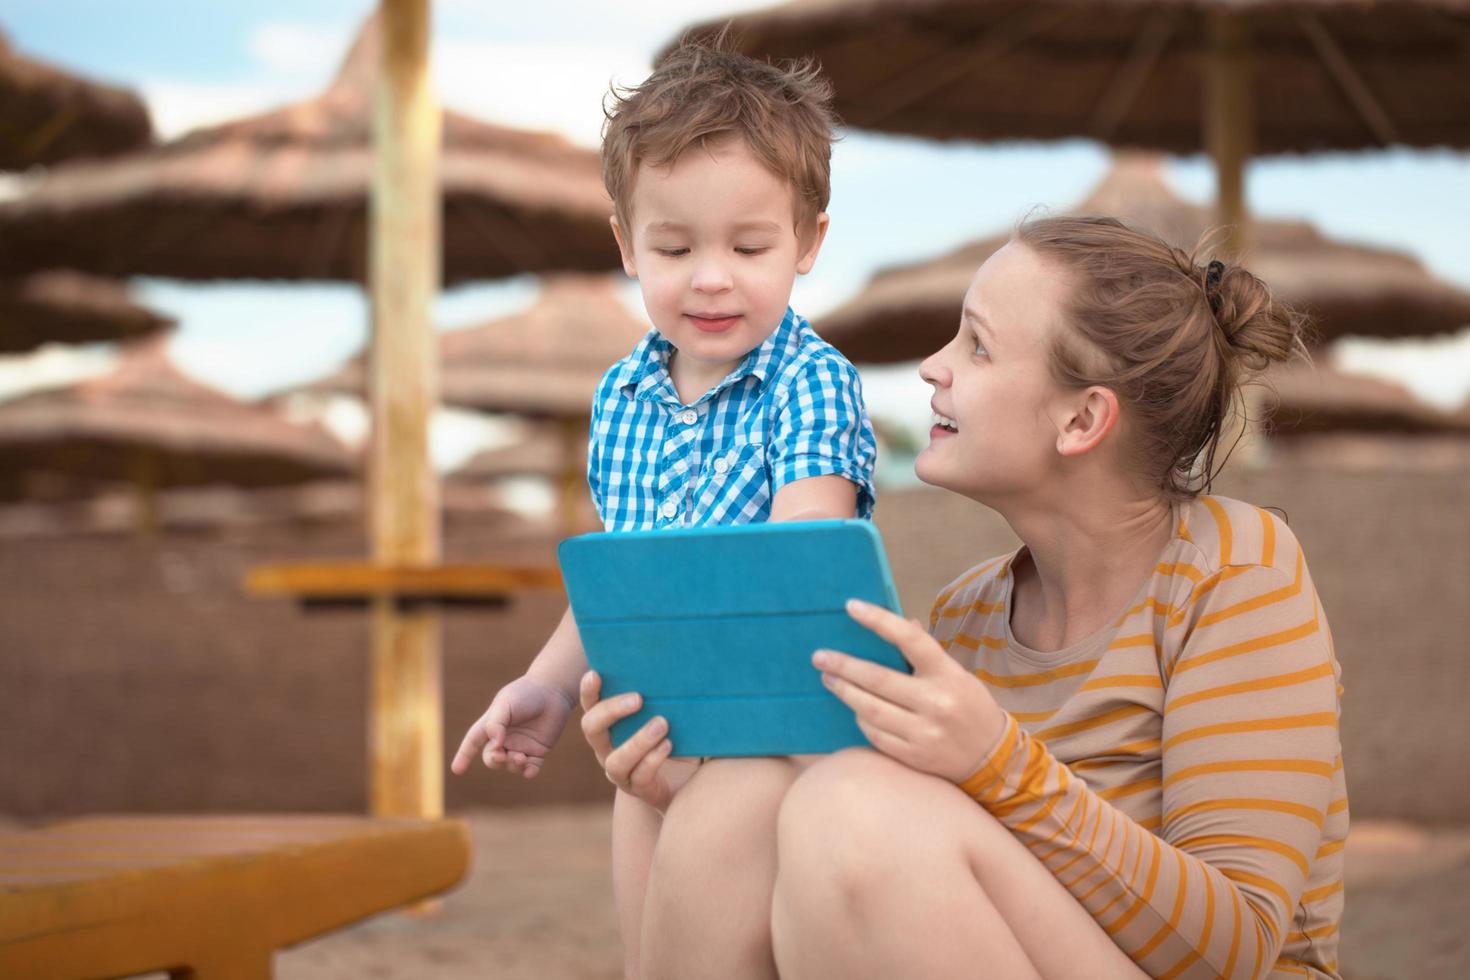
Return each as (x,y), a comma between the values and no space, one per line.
(869,707)
(889,684)
(909,636)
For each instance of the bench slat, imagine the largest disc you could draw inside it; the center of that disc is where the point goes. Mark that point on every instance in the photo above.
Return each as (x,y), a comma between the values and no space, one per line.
(206,891)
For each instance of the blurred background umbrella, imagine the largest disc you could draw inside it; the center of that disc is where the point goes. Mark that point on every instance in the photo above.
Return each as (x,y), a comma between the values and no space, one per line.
(1303,400)
(48,115)
(70,308)
(146,423)
(539,454)
(541,364)
(910,311)
(1233,78)
(284,195)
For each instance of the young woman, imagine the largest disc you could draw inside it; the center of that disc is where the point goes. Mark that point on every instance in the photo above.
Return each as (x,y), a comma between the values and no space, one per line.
(1118,753)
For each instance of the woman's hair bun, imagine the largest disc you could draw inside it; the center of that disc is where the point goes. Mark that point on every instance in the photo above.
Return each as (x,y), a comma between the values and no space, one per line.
(1257,327)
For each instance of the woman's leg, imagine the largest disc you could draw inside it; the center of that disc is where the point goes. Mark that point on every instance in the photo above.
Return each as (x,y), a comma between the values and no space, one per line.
(707,911)
(885,872)
(635,828)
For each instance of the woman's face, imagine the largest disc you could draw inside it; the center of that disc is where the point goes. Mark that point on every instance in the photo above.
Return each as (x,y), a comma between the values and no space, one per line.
(996,401)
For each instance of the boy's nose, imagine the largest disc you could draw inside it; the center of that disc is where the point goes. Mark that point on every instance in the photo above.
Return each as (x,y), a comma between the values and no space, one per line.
(710,276)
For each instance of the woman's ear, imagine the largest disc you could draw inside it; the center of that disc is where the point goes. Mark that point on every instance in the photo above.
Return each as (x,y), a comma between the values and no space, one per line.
(1088,417)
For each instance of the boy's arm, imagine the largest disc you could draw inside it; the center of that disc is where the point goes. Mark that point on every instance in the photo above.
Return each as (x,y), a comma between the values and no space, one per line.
(822,448)
(815,498)
(562,661)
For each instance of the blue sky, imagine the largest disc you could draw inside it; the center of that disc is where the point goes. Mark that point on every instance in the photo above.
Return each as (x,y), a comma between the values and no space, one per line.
(546,66)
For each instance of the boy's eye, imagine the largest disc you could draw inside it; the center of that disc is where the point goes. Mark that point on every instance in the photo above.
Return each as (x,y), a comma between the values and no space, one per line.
(751,249)
(672,253)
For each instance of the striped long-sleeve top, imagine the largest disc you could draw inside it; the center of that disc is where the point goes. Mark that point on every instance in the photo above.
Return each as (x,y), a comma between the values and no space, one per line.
(1179,771)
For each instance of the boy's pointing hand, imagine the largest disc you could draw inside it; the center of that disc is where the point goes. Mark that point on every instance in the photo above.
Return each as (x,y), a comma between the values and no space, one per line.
(518,730)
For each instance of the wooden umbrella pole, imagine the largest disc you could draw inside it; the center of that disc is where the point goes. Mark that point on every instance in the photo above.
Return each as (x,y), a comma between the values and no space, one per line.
(1229,123)
(406,707)
(573,481)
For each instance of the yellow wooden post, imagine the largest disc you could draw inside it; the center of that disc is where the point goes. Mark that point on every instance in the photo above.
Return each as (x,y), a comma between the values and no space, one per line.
(406,701)
(572,483)
(1230,138)
(1229,123)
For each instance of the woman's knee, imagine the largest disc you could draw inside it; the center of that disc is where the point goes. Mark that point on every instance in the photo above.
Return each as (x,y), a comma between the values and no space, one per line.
(858,815)
(838,821)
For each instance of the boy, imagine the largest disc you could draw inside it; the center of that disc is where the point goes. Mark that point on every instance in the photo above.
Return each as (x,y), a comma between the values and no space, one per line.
(730,410)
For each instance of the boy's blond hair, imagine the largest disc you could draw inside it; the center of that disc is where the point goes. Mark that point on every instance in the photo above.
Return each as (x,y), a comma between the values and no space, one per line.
(701,93)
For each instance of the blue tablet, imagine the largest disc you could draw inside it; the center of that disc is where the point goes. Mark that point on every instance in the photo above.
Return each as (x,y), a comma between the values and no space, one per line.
(715,627)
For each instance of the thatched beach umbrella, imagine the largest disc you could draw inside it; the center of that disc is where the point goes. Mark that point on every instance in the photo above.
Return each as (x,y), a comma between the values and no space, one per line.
(540,363)
(48,115)
(284,195)
(1233,78)
(145,422)
(70,308)
(540,454)
(909,311)
(1303,400)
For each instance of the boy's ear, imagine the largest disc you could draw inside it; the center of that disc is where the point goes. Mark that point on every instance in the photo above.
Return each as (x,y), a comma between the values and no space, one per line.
(813,246)
(625,247)
(1085,420)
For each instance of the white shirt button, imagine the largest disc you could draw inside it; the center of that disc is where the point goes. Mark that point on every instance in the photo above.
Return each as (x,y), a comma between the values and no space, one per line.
(689,416)
(669,508)
(721,464)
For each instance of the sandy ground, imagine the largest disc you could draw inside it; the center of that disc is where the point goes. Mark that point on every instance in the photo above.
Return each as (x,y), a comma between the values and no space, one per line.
(538,904)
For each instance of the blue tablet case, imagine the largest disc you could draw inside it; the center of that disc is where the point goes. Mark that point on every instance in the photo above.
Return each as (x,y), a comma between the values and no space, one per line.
(715,627)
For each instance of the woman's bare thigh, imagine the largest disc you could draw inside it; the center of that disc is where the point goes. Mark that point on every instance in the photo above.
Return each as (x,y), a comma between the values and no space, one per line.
(1059,936)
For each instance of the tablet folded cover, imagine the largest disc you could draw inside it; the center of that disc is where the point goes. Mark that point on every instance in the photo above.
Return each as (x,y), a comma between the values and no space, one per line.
(715,627)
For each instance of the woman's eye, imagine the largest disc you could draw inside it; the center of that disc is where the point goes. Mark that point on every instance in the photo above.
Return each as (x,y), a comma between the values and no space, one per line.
(979,347)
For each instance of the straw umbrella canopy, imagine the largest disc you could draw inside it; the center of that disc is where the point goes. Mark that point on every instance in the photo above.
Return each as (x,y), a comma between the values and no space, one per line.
(1230,77)
(1302,400)
(284,195)
(909,311)
(145,422)
(540,454)
(70,308)
(48,115)
(542,362)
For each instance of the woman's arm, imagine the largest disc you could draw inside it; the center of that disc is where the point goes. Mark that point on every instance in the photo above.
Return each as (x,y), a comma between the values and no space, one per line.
(1249,744)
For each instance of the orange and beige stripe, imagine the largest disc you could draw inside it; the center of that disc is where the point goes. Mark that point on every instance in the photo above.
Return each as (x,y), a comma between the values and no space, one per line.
(1179,772)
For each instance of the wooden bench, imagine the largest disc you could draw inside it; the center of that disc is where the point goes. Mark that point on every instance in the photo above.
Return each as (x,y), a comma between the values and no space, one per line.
(209,897)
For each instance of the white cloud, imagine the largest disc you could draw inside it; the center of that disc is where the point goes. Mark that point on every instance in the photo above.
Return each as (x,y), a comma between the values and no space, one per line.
(551,85)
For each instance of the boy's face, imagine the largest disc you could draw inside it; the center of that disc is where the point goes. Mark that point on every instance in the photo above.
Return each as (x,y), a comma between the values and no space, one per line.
(713,245)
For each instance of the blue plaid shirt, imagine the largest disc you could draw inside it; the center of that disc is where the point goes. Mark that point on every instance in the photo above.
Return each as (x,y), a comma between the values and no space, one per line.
(792,409)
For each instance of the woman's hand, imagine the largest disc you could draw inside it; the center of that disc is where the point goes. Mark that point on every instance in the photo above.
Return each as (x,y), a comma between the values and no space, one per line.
(640,766)
(940,720)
